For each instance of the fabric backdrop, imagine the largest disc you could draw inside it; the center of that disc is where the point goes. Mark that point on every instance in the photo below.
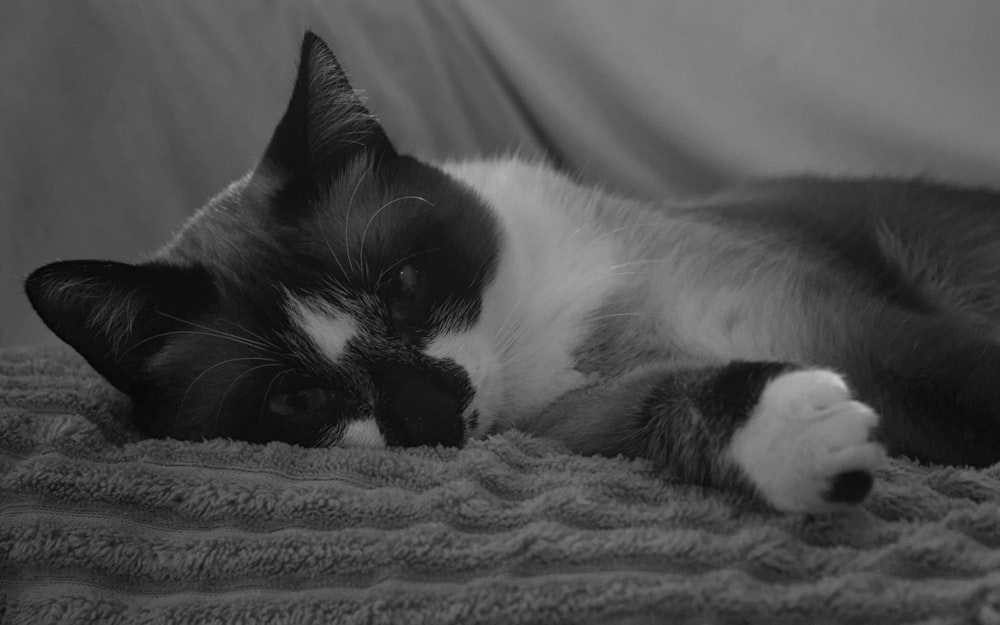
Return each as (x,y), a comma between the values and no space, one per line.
(118,119)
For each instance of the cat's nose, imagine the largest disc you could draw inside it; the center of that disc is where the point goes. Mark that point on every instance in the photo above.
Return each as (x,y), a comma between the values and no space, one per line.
(420,405)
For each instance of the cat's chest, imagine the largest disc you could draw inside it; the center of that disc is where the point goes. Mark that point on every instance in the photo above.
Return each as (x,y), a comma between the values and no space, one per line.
(555,272)
(542,307)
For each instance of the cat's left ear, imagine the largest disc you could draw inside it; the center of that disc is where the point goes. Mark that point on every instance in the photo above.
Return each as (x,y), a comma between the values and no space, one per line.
(326,124)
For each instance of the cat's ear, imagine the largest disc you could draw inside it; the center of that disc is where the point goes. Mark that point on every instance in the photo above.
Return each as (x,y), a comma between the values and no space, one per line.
(116,315)
(326,123)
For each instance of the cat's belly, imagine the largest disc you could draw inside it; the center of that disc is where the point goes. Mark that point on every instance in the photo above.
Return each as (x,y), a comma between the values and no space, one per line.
(684,308)
(733,323)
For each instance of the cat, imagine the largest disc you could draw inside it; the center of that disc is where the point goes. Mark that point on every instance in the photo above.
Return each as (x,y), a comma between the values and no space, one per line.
(778,339)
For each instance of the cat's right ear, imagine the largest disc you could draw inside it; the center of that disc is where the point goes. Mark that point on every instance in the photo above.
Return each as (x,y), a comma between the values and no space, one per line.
(116,315)
(326,124)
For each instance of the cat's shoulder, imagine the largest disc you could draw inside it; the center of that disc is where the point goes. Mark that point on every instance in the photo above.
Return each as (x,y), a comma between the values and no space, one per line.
(533,188)
(505,171)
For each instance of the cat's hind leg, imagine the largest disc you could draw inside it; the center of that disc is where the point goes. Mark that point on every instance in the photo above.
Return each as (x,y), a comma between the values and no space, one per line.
(934,382)
(793,436)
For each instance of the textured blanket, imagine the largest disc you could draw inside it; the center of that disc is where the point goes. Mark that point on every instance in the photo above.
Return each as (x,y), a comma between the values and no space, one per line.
(97,525)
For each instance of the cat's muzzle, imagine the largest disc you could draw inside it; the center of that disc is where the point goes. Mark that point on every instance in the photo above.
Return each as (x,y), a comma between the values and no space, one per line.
(421,404)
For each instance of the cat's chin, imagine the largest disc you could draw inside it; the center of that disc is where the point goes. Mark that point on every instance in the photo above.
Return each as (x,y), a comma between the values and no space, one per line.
(479,418)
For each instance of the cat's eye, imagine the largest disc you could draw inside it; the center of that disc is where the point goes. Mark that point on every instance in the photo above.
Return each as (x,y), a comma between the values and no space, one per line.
(299,401)
(407,301)
(408,279)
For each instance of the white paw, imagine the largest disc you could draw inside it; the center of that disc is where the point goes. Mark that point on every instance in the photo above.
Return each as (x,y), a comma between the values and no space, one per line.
(806,445)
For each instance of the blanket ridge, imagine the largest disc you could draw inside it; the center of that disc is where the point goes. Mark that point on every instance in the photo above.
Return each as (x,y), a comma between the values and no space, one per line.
(99,525)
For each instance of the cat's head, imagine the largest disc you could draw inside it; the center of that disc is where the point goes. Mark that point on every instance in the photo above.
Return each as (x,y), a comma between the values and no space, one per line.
(327,297)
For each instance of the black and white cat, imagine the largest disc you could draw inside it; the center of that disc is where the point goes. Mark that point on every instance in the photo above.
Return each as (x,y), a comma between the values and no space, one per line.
(344,294)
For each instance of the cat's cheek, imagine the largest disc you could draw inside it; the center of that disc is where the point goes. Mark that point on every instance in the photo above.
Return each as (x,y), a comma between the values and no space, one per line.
(473,352)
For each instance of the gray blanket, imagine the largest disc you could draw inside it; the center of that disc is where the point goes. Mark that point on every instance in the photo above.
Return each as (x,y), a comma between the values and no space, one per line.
(97,525)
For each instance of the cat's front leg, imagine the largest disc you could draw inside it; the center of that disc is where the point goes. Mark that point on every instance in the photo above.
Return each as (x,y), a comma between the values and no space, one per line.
(807,445)
(791,435)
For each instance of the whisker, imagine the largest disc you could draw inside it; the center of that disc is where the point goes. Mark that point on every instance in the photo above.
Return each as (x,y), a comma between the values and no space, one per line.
(214,331)
(258,337)
(480,271)
(261,348)
(587,320)
(364,233)
(267,392)
(639,224)
(330,435)
(531,285)
(513,309)
(222,400)
(637,262)
(504,342)
(515,332)
(347,214)
(333,255)
(180,406)
(531,349)
(378,281)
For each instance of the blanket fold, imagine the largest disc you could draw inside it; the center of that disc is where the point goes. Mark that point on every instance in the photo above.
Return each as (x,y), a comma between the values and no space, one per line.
(99,525)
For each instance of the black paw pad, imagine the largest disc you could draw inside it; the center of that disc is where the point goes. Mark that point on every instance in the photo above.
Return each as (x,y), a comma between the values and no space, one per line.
(849,487)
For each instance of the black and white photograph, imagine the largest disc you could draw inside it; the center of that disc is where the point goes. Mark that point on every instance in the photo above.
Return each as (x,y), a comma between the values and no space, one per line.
(500,312)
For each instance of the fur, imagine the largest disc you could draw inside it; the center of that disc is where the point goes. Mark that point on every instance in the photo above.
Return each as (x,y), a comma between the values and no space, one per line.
(775,339)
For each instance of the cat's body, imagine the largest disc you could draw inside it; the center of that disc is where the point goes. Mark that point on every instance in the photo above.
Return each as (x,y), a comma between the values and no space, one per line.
(343,294)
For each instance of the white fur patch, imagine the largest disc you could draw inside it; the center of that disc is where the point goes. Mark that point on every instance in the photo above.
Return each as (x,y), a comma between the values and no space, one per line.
(805,431)
(554,272)
(363,433)
(328,328)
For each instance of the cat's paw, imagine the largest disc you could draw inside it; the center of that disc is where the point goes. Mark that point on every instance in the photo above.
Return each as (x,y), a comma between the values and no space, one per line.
(807,445)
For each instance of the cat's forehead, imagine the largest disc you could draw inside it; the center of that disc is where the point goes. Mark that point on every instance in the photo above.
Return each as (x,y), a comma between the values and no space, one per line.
(217,232)
(365,216)
(343,243)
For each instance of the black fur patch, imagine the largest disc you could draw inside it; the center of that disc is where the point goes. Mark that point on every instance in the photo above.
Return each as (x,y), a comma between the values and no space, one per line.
(822,225)
(421,402)
(114,314)
(728,396)
(850,487)
(324,127)
(687,423)
(448,234)
(934,384)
